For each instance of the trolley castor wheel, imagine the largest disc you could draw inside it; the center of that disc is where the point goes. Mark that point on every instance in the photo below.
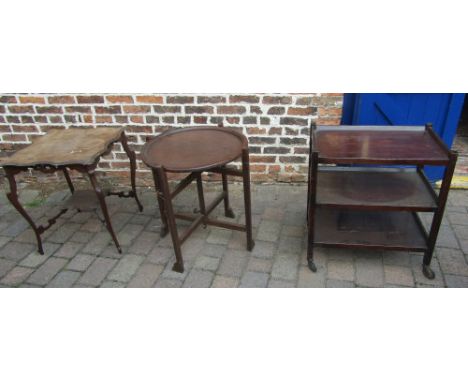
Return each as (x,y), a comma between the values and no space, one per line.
(428,272)
(311,265)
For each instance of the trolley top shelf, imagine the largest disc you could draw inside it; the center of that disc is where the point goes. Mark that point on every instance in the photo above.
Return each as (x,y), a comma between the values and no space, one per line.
(400,145)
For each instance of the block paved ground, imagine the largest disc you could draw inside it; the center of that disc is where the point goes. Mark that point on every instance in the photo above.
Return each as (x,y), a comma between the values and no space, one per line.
(80,253)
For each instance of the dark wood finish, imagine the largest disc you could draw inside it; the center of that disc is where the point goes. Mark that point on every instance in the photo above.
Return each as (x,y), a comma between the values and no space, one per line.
(196,150)
(370,188)
(396,230)
(378,145)
(375,207)
(77,149)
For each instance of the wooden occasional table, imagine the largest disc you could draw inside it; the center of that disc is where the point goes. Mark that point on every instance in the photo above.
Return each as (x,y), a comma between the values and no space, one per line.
(195,150)
(77,149)
(370,186)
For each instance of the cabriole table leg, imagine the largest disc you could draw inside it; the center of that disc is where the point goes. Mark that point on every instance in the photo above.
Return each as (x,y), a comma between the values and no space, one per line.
(131,157)
(102,201)
(13,198)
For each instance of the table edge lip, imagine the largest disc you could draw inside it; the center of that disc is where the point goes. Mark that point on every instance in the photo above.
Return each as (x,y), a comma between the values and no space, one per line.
(5,163)
(243,139)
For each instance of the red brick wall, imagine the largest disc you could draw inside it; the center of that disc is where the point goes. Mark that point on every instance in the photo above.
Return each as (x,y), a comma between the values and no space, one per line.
(277,125)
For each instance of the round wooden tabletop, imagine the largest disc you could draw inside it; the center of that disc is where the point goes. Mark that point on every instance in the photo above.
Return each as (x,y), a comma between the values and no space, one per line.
(194,149)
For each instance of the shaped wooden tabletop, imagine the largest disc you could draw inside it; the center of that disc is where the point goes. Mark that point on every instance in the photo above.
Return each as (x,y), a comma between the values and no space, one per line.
(65,147)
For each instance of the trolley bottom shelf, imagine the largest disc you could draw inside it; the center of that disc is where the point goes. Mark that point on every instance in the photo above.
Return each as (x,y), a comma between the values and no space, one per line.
(393,230)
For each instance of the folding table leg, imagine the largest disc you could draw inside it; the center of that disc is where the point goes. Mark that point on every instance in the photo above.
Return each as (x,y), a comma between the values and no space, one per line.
(169,213)
(201,197)
(13,198)
(164,228)
(102,202)
(227,207)
(247,206)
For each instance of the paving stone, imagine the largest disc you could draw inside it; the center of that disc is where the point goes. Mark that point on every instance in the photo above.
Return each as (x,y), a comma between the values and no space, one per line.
(461,231)
(126,268)
(26,285)
(456,281)
(446,238)
(28,236)
(260,265)
(128,233)
(254,280)
(97,271)
(213,250)
(98,243)
(4,240)
(80,262)
(140,219)
(207,263)
(285,267)
(219,236)
(112,284)
(268,230)
(82,217)
(264,250)
(369,272)
(225,282)
(198,278)
(293,230)
(233,263)
(34,259)
(168,283)
(15,228)
(78,285)
(45,273)
(339,284)
(288,244)
(144,243)
(452,261)
(81,237)
(238,240)
(57,197)
(93,225)
(62,234)
(64,279)
(401,258)
(273,283)
(309,279)
(146,276)
(160,255)
(458,218)
(272,213)
(68,250)
(16,251)
(464,246)
(340,270)
(397,275)
(16,276)
(340,254)
(5,266)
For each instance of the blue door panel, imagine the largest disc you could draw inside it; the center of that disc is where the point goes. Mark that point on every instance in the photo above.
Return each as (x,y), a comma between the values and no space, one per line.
(386,109)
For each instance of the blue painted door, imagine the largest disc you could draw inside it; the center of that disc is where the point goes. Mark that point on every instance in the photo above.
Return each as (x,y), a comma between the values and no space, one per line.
(385,109)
